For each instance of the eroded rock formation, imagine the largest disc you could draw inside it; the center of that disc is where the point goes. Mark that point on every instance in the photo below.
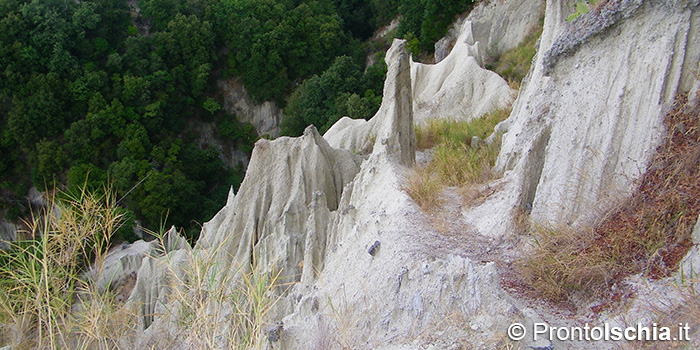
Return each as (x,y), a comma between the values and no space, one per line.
(498,25)
(380,286)
(329,211)
(265,117)
(392,125)
(458,87)
(590,112)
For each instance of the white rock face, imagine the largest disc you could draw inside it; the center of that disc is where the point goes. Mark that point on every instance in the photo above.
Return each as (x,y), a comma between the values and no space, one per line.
(121,261)
(458,87)
(269,213)
(590,113)
(381,287)
(8,233)
(348,236)
(265,117)
(392,125)
(498,25)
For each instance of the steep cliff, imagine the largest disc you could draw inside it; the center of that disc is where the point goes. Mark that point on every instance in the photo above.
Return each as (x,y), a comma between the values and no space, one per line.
(381,286)
(590,113)
(363,267)
(265,117)
(497,25)
(341,229)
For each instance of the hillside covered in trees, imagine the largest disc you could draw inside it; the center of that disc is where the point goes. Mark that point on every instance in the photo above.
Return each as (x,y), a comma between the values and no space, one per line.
(106,91)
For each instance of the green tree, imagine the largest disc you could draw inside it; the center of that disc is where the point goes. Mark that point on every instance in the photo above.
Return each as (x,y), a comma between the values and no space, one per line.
(384,11)
(211,105)
(88,175)
(36,116)
(357,16)
(316,100)
(274,43)
(49,162)
(160,11)
(135,144)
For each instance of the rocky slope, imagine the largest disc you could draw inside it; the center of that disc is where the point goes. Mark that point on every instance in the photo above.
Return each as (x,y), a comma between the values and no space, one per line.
(367,269)
(265,117)
(588,117)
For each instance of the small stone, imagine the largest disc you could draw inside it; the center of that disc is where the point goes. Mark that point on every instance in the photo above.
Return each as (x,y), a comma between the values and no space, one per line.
(374,248)
(273,332)
(347,209)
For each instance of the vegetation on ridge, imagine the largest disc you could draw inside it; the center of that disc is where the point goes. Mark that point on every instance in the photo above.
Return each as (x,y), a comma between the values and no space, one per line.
(650,233)
(40,280)
(514,64)
(455,161)
(48,302)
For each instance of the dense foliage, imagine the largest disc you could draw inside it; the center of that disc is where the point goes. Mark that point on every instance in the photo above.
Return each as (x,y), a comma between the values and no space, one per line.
(97,90)
(425,21)
(85,98)
(340,91)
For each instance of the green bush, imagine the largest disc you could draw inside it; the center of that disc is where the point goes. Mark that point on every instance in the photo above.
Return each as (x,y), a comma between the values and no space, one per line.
(514,64)
(582,7)
(342,90)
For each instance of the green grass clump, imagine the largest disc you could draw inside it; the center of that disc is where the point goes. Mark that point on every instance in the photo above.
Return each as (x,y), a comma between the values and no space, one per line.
(454,162)
(459,133)
(582,7)
(40,279)
(514,64)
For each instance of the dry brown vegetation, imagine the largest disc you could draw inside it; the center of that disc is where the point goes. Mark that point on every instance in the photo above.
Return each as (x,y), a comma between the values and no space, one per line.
(45,302)
(649,233)
(454,162)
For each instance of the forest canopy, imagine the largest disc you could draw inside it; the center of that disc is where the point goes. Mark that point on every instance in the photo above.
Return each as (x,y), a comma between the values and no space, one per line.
(99,91)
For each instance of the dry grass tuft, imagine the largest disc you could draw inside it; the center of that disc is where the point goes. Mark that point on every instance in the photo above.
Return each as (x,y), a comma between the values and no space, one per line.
(558,265)
(454,162)
(101,321)
(424,188)
(41,283)
(218,308)
(649,233)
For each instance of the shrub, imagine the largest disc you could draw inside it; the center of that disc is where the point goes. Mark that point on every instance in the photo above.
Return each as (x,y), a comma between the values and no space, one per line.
(582,7)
